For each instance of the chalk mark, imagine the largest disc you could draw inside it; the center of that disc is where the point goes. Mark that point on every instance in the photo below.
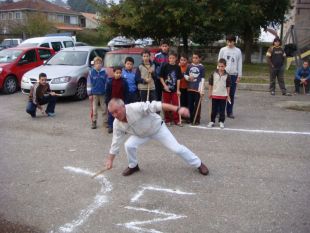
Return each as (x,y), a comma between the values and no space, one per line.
(135,224)
(141,192)
(254,130)
(99,200)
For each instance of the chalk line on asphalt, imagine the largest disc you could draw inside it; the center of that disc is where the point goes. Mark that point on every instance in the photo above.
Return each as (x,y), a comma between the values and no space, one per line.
(98,201)
(136,225)
(141,192)
(254,130)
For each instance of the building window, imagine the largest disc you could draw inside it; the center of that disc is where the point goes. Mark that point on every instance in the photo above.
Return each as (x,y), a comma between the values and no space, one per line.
(60,18)
(73,20)
(18,15)
(51,17)
(67,19)
(10,15)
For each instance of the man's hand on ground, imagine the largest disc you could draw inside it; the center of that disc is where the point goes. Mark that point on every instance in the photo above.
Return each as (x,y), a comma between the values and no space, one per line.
(109,162)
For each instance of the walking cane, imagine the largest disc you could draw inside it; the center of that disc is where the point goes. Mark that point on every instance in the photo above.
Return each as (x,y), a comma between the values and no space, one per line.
(201,89)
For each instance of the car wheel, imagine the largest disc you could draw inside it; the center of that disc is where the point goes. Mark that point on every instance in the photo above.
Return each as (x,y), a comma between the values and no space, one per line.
(81,91)
(10,85)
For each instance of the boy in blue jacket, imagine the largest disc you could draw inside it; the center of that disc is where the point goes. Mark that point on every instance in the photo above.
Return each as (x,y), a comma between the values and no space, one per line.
(302,77)
(129,75)
(96,82)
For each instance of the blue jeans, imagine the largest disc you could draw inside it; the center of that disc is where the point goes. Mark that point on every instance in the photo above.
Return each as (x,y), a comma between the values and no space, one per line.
(233,87)
(50,108)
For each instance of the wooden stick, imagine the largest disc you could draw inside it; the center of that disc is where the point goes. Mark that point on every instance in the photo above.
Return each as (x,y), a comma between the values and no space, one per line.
(210,108)
(100,172)
(304,88)
(180,118)
(148,89)
(198,106)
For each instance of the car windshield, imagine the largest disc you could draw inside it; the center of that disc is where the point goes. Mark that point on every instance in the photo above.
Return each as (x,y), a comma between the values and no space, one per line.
(9,42)
(9,55)
(69,58)
(114,59)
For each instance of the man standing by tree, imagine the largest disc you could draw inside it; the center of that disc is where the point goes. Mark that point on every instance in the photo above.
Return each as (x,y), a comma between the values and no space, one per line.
(233,57)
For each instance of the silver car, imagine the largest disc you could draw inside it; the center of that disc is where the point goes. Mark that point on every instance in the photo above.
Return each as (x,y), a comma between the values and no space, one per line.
(66,72)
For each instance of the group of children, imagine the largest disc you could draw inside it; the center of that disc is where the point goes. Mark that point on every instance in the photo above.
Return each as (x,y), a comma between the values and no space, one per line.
(181,84)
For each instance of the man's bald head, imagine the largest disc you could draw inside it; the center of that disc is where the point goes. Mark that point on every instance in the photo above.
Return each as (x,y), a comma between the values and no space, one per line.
(117,108)
(117,102)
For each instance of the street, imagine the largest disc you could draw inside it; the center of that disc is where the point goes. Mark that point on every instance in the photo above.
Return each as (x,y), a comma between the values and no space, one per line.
(258,182)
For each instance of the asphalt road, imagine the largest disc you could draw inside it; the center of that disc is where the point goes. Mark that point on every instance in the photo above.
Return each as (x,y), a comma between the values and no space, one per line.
(259,180)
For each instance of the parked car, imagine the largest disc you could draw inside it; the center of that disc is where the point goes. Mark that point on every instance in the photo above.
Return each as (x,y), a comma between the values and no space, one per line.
(14,62)
(66,72)
(117,57)
(57,42)
(78,43)
(10,43)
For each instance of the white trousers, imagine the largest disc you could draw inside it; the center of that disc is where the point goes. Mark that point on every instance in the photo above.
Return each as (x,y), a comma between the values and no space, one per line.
(165,137)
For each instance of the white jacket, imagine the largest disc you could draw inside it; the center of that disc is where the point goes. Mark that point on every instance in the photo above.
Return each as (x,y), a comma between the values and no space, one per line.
(142,121)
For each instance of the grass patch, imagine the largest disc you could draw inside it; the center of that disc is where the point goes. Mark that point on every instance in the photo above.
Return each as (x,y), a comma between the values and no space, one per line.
(256,73)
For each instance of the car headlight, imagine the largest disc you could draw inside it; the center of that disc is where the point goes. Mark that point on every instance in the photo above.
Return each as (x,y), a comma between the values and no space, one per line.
(1,70)
(59,80)
(25,79)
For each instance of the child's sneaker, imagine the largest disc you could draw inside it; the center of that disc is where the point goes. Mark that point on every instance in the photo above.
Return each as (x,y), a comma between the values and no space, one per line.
(110,130)
(210,125)
(222,125)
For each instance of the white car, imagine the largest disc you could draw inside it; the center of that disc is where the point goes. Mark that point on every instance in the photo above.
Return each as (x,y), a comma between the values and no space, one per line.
(66,72)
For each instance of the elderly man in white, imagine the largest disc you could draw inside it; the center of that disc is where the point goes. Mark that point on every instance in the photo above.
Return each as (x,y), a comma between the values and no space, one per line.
(143,123)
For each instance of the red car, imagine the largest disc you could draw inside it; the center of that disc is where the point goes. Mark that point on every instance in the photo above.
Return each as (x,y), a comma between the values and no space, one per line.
(117,57)
(14,62)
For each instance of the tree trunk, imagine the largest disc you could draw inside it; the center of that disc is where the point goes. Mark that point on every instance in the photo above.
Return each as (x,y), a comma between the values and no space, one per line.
(185,43)
(248,52)
(248,44)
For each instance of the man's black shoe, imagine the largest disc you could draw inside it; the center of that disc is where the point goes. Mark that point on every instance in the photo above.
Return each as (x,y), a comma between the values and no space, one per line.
(203,169)
(129,171)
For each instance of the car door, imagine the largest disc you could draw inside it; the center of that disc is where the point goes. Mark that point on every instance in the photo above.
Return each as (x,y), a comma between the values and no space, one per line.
(28,61)
(44,54)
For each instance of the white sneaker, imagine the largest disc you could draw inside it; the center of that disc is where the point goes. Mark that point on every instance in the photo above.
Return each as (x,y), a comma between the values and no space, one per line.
(210,125)
(221,125)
